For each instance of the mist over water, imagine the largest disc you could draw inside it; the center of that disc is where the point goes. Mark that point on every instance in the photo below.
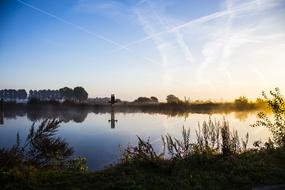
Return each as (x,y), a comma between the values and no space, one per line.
(100,136)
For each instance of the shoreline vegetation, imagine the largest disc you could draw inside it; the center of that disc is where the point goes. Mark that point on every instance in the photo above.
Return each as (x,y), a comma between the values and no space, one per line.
(78,98)
(240,104)
(77,111)
(217,159)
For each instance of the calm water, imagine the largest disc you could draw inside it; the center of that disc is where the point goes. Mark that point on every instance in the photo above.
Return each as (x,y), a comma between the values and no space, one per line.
(95,137)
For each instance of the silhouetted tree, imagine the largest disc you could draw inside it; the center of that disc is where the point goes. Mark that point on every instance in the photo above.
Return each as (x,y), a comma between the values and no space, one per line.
(143,100)
(80,94)
(172,99)
(22,94)
(154,99)
(66,93)
(146,100)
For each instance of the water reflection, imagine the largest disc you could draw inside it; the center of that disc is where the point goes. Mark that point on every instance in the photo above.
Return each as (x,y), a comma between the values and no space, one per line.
(94,133)
(78,115)
(242,115)
(1,112)
(113,120)
(1,118)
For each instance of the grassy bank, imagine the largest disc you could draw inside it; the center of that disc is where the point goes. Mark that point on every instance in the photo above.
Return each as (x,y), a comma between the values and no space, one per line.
(252,168)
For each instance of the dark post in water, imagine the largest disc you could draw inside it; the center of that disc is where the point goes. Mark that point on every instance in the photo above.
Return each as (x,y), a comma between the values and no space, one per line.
(112,120)
(1,111)
(113,100)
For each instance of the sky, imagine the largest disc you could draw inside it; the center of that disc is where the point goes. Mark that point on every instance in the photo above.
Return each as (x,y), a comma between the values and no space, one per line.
(206,49)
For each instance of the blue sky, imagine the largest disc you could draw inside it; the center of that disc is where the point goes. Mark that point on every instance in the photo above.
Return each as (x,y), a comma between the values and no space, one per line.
(206,49)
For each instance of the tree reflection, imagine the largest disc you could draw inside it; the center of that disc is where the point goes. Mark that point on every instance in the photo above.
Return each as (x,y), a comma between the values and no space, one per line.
(77,116)
(1,111)
(1,118)
(242,115)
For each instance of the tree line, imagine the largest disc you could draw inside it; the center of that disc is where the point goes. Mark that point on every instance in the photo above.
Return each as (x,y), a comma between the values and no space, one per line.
(12,94)
(169,99)
(66,93)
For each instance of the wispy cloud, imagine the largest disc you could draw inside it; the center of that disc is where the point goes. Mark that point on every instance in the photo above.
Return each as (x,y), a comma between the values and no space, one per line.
(240,9)
(228,39)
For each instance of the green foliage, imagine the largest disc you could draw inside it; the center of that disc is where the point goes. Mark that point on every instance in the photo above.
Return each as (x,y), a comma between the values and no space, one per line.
(208,138)
(277,126)
(74,165)
(41,149)
(144,151)
(244,171)
(178,148)
(212,139)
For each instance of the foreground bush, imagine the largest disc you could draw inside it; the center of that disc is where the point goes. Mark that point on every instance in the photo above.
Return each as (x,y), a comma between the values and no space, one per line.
(41,149)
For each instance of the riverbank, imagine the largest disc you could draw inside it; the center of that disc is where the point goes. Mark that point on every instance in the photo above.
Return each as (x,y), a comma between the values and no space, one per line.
(79,112)
(164,108)
(245,171)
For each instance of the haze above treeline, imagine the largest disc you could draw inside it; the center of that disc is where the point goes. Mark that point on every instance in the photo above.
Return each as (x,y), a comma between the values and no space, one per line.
(80,94)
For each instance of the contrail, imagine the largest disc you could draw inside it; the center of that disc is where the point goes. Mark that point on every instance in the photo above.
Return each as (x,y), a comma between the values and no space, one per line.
(219,14)
(72,24)
(82,29)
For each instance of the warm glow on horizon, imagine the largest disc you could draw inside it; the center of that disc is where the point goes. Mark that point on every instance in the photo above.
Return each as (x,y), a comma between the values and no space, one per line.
(217,50)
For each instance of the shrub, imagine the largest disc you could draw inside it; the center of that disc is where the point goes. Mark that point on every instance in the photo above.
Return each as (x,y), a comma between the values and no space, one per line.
(41,150)
(277,126)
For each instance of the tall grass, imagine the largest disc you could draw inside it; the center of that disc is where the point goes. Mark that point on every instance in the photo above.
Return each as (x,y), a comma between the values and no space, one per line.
(212,138)
(41,149)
